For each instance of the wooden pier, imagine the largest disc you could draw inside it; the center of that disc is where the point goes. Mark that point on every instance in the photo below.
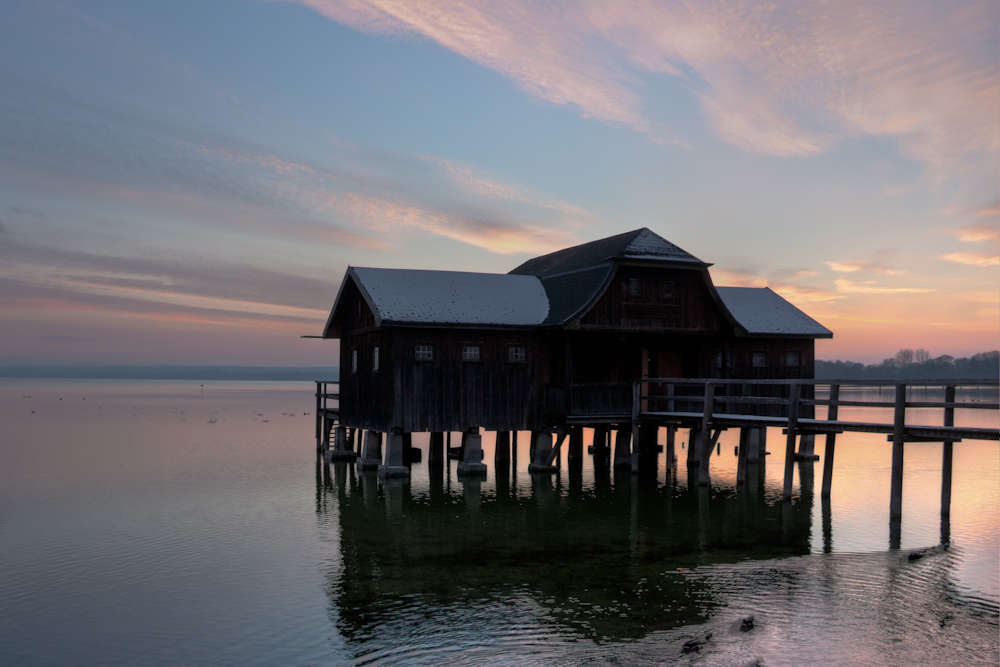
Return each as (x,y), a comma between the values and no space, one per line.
(635,412)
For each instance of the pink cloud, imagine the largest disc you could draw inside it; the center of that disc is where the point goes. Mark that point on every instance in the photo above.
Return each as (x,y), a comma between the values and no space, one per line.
(784,79)
(973,258)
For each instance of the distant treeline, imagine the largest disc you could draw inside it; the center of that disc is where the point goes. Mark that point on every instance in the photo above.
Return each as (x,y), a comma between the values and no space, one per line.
(255,373)
(915,365)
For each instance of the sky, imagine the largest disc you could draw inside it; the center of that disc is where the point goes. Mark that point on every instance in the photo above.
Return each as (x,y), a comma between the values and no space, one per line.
(186,182)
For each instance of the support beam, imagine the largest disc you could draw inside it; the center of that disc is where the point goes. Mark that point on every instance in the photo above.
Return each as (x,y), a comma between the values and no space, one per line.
(623,446)
(794,390)
(543,454)
(832,413)
(395,457)
(435,451)
(340,451)
(472,454)
(371,456)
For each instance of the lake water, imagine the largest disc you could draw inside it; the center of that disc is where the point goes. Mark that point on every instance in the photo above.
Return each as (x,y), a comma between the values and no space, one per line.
(169,523)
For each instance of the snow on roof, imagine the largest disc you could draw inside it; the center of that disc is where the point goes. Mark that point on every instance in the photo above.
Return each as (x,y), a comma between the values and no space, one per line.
(454,297)
(760,311)
(647,245)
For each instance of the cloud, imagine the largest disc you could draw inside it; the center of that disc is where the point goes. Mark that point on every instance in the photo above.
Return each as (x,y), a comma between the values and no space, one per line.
(350,198)
(977,234)
(973,258)
(868,287)
(851,267)
(787,284)
(787,78)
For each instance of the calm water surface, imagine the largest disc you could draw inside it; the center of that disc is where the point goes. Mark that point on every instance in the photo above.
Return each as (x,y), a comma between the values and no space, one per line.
(166,523)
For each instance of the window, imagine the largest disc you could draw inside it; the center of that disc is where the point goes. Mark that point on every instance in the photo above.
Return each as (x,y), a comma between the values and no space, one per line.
(354,360)
(470,353)
(792,359)
(759,359)
(633,287)
(517,354)
(375,359)
(718,358)
(668,289)
(423,352)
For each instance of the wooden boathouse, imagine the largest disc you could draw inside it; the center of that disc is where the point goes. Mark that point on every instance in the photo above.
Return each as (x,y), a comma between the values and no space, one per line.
(554,345)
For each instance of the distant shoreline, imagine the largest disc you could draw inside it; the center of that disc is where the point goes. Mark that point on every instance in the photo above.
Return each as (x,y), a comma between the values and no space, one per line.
(109,372)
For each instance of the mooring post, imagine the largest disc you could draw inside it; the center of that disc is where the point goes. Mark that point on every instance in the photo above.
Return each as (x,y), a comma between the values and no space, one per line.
(793,420)
(832,413)
(898,434)
(946,463)
(707,441)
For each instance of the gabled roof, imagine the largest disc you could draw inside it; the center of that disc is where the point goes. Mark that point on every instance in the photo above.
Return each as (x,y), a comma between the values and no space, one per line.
(404,296)
(763,313)
(637,245)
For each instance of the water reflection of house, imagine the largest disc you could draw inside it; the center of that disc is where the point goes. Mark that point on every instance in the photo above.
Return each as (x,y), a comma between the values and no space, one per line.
(608,560)
(444,351)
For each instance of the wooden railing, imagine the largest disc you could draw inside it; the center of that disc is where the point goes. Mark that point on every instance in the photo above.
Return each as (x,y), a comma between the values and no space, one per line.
(324,410)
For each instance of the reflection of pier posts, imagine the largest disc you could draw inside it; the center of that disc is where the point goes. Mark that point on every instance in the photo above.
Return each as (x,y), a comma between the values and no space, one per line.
(472,486)
(395,490)
(670,452)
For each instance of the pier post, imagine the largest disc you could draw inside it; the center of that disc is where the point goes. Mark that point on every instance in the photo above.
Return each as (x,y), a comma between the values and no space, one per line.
(669,449)
(623,446)
(340,451)
(502,449)
(898,435)
(756,444)
(694,447)
(832,413)
(541,461)
(707,441)
(793,419)
(807,448)
(371,457)
(741,462)
(946,465)
(395,456)
(472,454)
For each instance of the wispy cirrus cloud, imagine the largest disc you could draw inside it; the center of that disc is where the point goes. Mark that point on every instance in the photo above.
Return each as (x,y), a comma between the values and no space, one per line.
(787,78)
(851,267)
(846,286)
(972,258)
(350,198)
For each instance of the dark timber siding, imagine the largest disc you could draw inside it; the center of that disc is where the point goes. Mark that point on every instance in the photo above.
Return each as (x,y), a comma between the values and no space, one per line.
(649,299)
(448,393)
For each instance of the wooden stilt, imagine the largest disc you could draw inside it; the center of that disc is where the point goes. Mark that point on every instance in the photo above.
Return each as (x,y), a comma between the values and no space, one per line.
(898,433)
(435,451)
(706,428)
(833,411)
(669,450)
(741,461)
(946,465)
(793,420)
